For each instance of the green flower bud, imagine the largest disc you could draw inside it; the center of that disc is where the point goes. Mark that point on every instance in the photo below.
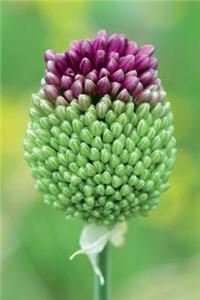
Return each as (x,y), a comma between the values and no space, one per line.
(107,136)
(105,155)
(97,143)
(60,112)
(102,108)
(106,178)
(90,170)
(96,128)
(117,147)
(84,102)
(116,181)
(105,164)
(116,129)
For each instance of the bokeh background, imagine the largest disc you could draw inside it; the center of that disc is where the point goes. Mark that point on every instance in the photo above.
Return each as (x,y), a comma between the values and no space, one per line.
(161,257)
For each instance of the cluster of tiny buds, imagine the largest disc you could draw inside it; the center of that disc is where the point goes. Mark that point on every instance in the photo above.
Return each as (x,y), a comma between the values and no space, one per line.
(105,65)
(103,163)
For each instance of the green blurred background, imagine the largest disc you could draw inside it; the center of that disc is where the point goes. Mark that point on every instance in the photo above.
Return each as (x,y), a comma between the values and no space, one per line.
(161,257)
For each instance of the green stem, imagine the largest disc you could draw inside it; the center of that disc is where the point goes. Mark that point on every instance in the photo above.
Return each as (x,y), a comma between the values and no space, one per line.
(102,292)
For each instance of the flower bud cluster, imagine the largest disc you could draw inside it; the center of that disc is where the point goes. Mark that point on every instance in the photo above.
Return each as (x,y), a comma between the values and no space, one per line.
(103,163)
(105,65)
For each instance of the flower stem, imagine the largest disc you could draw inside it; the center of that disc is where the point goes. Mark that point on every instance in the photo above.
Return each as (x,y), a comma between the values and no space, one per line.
(102,292)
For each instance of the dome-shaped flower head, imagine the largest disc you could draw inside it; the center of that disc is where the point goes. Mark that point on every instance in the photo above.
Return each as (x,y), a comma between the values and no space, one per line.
(100,140)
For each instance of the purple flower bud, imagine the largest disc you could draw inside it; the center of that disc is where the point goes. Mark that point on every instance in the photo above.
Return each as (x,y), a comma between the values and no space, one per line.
(51,92)
(52,78)
(131,48)
(115,87)
(132,73)
(68,95)
(77,88)
(104,72)
(92,75)
(123,44)
(124,95)
(70,72)
(102,34)
(147,77)
(103,86)
(60,62)
(145,95)
(112,65)
(127,62)
(153,63)
(51,67)
(90,87)
(76,45)
(114,55)
(138,89)
(142,63)
(86,48)
(85,66)
(73,58)
(66,82)
(118,76)
(80,77)
(99,59)
(49,55)
(146,49)
(130,83)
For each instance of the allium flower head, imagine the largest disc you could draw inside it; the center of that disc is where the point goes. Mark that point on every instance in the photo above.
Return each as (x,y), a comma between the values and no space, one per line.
(100,140)
(105,65)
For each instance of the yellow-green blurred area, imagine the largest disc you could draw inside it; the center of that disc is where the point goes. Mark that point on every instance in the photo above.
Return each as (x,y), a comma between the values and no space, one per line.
(161,257)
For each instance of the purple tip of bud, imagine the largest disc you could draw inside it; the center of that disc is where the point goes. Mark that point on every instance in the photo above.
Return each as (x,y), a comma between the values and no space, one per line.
(92,75)
(99,59)
(49,55)
(51,67)
(132,73)
(74,58)
(103,86)
(90,87)
(123,44)
(127,62)
(70,72)
(68,95)
(114,55)
(80,77)
(51,92)
(148,76)
(146,50)
(76,45)
(138,89)
(85,66)
(153,63)
(114,42)
(118,76)
(131,48)
(102,34)
(124,95)
(104,72)
(66,82)
(52,79)
(145,95)
(60,61)
(112,65)
(130,83)
(115,87)
(142,64)
(86,48)
(77,88)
